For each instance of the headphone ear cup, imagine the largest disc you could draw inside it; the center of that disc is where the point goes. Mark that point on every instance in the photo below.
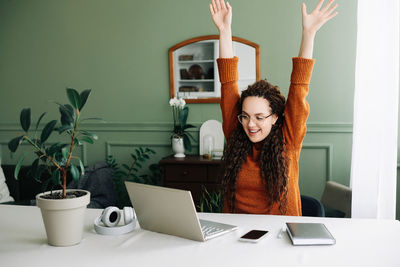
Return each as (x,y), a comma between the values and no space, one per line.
(128,215)
(111,216)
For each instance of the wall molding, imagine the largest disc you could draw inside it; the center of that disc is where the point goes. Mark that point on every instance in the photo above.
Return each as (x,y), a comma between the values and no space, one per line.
(329,156)
(167,127)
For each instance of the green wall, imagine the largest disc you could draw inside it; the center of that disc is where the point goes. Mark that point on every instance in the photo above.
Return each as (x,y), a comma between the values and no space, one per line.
(120,50)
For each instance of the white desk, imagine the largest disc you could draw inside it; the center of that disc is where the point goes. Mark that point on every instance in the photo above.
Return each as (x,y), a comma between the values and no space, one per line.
(359,243)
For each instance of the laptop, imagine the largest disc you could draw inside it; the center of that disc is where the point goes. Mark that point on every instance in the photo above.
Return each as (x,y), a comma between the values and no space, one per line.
(171,211)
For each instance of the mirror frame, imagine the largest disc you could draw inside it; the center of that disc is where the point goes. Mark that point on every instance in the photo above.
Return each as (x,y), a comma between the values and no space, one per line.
(202,38)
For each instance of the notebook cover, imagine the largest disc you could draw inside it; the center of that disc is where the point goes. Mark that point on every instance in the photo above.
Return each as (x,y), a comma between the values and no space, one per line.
(309,234)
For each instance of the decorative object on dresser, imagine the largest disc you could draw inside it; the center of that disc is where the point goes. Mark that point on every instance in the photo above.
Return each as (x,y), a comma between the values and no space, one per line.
(191,173)
(211,139)
(180,137)
(62,210)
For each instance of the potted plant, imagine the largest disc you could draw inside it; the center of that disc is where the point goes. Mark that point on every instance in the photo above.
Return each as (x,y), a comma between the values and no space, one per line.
(180,138)
(62,210)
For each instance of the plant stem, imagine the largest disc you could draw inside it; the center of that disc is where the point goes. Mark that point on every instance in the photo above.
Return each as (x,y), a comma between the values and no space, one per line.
(43,152)
(64,170)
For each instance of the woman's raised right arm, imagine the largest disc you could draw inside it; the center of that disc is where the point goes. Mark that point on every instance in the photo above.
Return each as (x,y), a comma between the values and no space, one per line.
(221,13)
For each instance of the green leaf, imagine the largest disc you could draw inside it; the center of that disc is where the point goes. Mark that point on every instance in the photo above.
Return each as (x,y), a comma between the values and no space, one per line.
(82,167)
(37,173)
(190,135)
(77,142)
(45,184)
(64,153)
(126,166)
(55,177)
(184,115)
(14,143)
(92,135)
(47,130)
(75,173)
(74,98)
(187,126)
(87,139)
(186,143)
(133,156)
(54,148)
(66,116)
(138,164)
(38,122)
(25,119)
(63,128)
(84,96)
(151,150)
(18,166)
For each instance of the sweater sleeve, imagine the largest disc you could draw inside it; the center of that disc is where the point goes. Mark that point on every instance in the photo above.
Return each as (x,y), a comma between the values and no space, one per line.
(297,108)
(228,76)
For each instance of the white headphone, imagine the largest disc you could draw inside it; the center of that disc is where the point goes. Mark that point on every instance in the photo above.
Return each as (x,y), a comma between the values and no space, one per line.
(111,216)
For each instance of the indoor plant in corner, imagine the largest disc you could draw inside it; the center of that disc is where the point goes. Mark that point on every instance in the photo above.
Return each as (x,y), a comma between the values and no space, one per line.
(62,210)
(180,137)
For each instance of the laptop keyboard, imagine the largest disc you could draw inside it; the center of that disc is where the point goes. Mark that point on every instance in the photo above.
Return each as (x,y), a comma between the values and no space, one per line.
(209,230)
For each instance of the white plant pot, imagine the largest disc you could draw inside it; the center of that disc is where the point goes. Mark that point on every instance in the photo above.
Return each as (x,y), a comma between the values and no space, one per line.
(63,218)
(177,147)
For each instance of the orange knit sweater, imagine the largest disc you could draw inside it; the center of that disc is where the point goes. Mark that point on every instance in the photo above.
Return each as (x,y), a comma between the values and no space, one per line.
(250,193)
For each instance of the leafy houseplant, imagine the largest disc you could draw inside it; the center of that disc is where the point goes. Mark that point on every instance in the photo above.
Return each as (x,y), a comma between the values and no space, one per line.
(58,160)
(131,173)
(180,113)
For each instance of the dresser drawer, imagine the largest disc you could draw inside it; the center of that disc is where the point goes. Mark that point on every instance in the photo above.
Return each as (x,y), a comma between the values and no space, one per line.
(214,173)
(185,172)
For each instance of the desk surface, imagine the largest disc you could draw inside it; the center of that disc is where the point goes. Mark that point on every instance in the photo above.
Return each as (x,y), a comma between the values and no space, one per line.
(359,242)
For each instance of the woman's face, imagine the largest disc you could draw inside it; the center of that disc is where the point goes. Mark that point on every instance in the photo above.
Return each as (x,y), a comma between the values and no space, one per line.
(257,118)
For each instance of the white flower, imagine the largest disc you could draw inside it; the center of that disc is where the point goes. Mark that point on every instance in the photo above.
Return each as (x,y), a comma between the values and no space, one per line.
(174,102)
(182,103)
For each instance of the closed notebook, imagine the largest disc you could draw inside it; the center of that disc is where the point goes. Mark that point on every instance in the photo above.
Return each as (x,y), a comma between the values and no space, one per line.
(303,234)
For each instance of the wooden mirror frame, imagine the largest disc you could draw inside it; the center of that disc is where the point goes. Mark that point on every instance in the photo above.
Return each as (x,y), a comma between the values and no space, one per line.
(202,38)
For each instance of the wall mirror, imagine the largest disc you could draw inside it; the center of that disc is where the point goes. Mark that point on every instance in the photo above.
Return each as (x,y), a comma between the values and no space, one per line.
(193,67)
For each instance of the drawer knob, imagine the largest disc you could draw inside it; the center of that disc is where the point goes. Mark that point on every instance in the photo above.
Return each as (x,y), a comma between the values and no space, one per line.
(185,173)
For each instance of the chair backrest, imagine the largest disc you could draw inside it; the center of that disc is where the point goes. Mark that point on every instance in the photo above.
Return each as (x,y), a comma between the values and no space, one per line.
(338,197)
(311,207)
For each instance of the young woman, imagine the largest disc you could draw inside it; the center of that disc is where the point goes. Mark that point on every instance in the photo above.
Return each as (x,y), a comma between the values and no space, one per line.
(264,134)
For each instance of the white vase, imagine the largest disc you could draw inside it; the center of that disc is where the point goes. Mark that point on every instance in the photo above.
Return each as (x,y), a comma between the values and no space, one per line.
(177,147)
(63,218)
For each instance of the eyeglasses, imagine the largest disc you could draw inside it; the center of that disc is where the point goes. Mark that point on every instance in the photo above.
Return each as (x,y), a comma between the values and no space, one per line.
(245,119)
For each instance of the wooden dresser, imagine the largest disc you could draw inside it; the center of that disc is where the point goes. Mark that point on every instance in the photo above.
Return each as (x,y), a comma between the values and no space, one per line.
(190,173)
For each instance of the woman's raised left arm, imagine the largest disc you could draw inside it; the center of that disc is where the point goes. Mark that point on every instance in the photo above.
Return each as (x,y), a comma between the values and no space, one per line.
(312,23)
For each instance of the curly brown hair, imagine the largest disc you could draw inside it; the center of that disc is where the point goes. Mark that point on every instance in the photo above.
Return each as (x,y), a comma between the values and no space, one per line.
(272,160)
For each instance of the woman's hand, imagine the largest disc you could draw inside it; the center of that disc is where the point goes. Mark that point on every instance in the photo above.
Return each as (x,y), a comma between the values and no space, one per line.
(221,13)
(313,22)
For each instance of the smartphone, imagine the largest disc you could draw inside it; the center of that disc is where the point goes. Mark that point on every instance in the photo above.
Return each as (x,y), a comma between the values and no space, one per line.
(253,236)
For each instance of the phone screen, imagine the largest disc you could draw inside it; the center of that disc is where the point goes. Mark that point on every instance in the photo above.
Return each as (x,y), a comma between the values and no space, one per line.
(254,234)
